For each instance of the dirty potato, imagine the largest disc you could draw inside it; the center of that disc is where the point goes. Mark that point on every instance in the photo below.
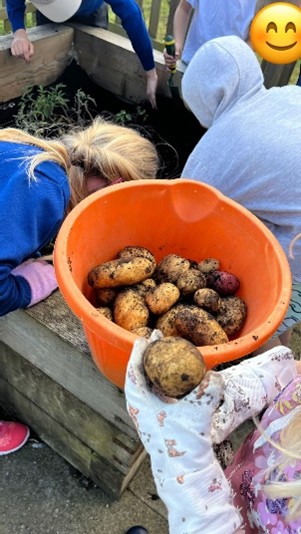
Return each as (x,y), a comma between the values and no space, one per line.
(208,265)
(189,281)
(208,299)
(200,327)
(232,315)
(130,252)
(121,272)
(106,312)
(145,286)
(129,310)
(170,268)
(105,296)
(143,331)
(174,365)
(160,299)
(166,322)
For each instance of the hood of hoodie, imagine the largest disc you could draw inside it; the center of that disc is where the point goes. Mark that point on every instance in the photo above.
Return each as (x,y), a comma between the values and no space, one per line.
(222,72)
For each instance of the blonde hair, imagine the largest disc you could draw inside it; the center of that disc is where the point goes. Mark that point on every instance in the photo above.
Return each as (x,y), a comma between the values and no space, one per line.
(110,150)
(290,447)
(53,150)
(103,148)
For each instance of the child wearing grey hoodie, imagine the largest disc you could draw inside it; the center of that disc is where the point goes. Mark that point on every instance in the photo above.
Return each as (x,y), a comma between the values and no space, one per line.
(251,150)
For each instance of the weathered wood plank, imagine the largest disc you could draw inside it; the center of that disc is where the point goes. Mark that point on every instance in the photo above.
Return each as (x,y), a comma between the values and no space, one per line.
(59,319)
(62,361)
(276,75)
(80,436)
(64,443)
(122,74)
(53,50)
(68,411)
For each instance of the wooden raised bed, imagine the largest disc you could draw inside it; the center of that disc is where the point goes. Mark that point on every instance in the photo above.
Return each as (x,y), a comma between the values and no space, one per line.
(106,57)
(49,380)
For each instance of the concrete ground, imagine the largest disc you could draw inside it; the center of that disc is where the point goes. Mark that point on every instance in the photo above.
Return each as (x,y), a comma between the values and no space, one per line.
(40,493)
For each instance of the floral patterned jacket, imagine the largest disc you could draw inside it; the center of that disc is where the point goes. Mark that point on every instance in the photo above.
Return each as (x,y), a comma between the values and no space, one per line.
(253,467)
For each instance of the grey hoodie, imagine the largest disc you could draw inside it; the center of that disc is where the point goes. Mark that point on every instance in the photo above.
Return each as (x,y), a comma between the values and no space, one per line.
(251,151)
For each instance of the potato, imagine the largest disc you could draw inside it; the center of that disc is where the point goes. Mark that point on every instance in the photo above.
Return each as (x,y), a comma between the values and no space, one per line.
(208,265)
(129,310)
(143,331)
(232,315)
(162,298)
(223,282)
(106,312)
(191,280)
(145,286)
(208,299)
(130,252)
(121,272)
(170,268)
(105,296)
(174,365)
(166,322)
(200,327)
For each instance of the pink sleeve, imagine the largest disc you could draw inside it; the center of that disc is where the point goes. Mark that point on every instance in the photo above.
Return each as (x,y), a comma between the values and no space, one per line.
(250,387)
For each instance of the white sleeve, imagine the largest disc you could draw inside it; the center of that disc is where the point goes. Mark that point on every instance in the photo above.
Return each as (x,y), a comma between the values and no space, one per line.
(250,386)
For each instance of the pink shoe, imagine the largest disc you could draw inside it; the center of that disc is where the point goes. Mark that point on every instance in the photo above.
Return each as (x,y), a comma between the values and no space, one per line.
(12,436)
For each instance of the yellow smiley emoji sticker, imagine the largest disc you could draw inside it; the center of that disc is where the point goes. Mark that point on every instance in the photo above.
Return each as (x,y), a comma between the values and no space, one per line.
(275,33)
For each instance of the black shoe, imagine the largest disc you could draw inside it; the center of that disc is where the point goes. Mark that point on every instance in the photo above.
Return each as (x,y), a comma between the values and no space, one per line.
(138,529)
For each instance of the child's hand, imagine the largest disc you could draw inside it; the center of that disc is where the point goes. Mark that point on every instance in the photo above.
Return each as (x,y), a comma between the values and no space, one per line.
(176,434)
(151,87)
(171,61)
(40,276)
(21,46)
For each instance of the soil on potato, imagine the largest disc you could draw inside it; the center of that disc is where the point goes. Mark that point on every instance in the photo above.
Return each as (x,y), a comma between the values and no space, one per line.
(173,129)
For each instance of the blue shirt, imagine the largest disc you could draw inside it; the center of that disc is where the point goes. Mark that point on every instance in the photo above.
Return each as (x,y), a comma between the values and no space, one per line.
(31,214)
(127,10)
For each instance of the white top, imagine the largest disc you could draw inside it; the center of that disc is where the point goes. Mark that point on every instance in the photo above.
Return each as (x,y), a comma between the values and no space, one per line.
(217,18)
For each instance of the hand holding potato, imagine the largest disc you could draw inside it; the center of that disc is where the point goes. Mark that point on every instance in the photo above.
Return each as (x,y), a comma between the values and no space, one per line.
(176,434)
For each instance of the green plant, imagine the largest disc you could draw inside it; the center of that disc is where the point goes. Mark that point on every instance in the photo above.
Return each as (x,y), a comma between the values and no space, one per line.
(124,117)
(81,108)
(47,111)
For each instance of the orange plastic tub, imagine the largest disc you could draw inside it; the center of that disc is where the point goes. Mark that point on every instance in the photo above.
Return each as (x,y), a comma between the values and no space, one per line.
(182,217)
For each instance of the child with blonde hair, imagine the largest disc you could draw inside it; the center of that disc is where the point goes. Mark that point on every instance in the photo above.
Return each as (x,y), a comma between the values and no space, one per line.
(41,181)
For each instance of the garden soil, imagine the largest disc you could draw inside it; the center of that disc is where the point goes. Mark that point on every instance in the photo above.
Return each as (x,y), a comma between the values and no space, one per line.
(172,127)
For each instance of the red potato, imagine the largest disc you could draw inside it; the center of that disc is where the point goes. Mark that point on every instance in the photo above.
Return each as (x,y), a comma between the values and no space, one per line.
(224,283)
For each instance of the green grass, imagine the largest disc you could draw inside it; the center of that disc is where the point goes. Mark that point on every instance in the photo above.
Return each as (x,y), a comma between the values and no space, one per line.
(30,22)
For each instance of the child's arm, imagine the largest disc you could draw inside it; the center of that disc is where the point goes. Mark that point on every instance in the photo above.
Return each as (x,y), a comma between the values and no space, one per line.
(176,434)
(180,25)
(250,387)
(21,46)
